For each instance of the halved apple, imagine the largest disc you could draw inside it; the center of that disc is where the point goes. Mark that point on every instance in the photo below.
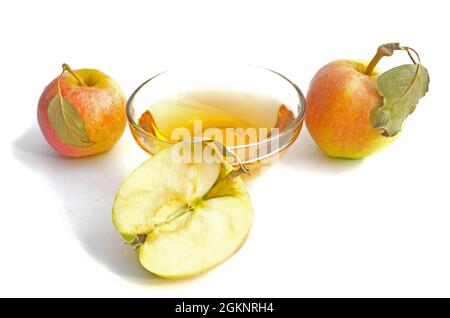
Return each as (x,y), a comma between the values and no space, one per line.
(183,218)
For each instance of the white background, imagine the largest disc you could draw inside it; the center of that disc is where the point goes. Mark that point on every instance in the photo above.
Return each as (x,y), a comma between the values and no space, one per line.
(323,227)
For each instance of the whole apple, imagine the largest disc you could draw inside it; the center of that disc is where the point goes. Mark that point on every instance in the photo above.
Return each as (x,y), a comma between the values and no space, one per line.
(82,112)
(339,102)
(353,111)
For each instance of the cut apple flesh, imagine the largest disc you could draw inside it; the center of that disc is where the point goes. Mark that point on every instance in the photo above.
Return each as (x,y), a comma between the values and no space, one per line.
(183,218)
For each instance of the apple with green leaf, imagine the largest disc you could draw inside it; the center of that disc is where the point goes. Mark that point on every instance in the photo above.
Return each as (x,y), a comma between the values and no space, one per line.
(354,111)
(82,112)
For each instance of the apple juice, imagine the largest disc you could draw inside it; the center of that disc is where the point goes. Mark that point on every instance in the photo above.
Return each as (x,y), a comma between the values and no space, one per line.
(233,118)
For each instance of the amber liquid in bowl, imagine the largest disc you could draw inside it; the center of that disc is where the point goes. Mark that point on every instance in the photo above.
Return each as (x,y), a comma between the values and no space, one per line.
(216,110)
(233,118)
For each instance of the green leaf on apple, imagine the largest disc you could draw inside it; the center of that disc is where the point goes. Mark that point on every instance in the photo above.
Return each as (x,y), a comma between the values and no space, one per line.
(402,87)
(67,123)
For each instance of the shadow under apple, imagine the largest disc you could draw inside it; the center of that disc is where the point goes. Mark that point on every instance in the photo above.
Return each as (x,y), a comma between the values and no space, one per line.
(86,188)
(304,154)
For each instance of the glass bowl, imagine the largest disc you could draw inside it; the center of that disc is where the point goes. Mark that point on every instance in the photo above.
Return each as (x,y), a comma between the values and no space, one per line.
(248,93)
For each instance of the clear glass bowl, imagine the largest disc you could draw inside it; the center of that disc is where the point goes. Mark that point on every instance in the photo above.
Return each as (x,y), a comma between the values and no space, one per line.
(255,155)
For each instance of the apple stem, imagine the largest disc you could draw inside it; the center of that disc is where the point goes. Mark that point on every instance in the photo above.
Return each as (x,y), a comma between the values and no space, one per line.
(382,51)
(71,72)
(388,50)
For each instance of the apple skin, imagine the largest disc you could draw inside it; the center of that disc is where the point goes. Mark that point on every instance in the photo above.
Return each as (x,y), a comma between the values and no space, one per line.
(100,104)
(338,106)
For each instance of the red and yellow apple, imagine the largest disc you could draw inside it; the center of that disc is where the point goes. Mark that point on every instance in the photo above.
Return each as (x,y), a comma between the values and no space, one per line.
(82,112)
(339,102)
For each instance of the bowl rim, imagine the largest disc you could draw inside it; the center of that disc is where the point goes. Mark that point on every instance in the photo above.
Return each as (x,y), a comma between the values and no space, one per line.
(298,120)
